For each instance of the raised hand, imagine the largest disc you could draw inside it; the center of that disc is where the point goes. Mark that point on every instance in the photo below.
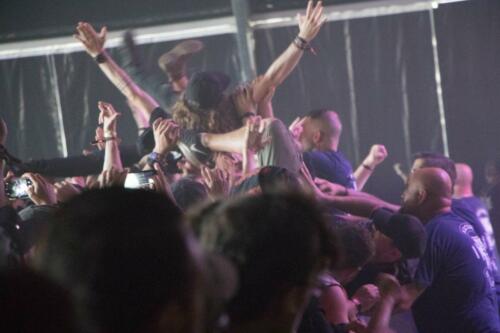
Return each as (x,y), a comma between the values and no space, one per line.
(90,39)
(254,135)
(166,133)
(108,117)
(367,295)
(243,100)
(41,192)
(296,127)
(311,22)
(216,181)
(377,155)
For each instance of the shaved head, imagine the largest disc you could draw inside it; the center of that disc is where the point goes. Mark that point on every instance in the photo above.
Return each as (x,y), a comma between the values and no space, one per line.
(428,190)
(321,130)
(464,175)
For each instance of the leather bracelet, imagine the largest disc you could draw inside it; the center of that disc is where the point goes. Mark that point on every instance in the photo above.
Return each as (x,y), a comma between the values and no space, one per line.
(105,139)
(101,57)
(300,43)
(303,45)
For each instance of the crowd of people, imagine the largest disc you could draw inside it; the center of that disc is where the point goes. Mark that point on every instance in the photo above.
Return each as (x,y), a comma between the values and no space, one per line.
(223,219)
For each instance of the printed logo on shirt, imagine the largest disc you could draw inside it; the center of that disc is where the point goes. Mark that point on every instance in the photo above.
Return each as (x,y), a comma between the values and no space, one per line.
(480,251)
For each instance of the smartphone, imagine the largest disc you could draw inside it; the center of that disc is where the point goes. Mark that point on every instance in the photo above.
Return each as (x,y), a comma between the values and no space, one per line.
(140,179)
(17,188)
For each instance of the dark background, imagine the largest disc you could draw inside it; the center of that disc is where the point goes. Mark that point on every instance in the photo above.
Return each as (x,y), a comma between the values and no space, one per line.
(389,98)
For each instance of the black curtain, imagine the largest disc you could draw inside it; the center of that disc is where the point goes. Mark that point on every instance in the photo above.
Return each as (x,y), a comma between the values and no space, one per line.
(378,74)
(469,53)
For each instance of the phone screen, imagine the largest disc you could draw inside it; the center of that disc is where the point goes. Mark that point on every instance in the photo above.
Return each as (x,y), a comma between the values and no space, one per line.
(138,180)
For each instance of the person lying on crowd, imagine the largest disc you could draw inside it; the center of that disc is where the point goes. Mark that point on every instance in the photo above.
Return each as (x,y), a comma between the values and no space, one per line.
(309,26)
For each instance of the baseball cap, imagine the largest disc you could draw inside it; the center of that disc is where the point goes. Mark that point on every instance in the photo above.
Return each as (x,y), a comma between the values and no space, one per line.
(205,89)
(406,231)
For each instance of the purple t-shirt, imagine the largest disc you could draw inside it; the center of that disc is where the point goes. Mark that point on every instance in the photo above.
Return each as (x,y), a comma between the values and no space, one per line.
(458,295)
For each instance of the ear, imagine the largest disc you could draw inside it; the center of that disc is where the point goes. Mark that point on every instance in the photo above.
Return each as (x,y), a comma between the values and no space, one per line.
(317,136)
(421,196)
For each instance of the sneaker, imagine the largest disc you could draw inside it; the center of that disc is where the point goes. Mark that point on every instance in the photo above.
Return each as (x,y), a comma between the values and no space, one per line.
(174,61)
(193,150)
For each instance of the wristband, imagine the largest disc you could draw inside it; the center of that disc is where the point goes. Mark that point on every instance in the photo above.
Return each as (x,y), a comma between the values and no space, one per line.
(105,139)
(367,167)
(300,43)
(154,157)
(101,58)
(247,115)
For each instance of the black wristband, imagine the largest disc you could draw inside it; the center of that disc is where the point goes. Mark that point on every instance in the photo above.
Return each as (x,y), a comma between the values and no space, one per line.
(100,58)
(247,115)
(301,43)
(367,167)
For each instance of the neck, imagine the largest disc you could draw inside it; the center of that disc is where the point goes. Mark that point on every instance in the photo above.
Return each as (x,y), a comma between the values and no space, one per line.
(462,192)
(426,214)
(328,145)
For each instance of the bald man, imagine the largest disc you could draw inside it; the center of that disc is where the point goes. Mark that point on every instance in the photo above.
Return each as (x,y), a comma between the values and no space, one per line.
(464,194)
(452,289)
(319,140)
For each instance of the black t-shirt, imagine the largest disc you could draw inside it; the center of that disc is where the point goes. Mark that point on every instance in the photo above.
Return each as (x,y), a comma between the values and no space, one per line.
(330,165)
(458,295)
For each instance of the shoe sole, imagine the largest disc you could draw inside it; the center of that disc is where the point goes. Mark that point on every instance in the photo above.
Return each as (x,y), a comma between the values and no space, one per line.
(182,49)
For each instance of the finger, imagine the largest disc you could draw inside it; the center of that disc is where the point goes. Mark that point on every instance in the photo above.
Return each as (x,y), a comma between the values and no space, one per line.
(318,180)
(309,8)
(156,123)
(103,32)
(315,9)
(80,38)
(319,12)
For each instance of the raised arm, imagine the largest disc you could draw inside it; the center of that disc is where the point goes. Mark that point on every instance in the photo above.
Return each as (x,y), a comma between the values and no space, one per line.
(377,155)
(309,26)
(108,117)
(93,43)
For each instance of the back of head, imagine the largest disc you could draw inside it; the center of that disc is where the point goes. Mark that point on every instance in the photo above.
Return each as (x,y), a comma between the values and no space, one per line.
(125,255)
(435,160)
(277,242)
(465,176)
(327,121)
(355,243)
